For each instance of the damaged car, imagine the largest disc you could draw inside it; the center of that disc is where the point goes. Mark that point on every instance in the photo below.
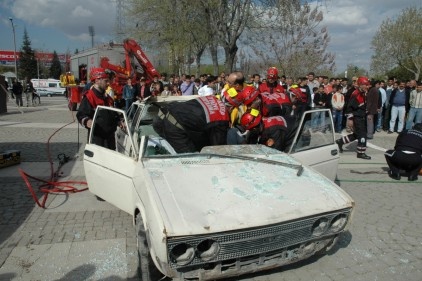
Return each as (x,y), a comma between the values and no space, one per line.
(226,210)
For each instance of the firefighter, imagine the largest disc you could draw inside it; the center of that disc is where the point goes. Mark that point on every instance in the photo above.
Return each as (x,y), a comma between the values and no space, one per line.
(247,130)
(274,132)
(271,85)
(189,126)
(356,110)
(107,121)
(270,131)
(407,154)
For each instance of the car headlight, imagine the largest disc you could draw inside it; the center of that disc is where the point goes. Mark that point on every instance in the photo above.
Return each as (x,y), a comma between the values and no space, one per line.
(207,249)
(338,222)
(182,254)
(319,226)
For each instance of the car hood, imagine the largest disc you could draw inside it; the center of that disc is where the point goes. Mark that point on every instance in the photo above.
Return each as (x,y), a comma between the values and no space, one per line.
(202,193)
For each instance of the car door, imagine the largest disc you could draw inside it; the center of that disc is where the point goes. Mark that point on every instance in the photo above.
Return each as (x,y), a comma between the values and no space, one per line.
(314,142)
(109,172)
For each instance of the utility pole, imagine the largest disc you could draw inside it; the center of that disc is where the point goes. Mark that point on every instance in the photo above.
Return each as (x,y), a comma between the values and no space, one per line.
(14,42)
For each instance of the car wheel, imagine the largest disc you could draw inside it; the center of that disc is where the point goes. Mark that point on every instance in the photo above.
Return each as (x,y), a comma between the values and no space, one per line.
(48,95)
(147,269)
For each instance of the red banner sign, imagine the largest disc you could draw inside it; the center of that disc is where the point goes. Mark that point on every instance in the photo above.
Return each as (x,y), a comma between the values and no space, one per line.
(6,57)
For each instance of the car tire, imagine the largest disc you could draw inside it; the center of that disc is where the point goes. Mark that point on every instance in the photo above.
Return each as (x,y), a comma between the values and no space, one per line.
(49,95)
(147,269)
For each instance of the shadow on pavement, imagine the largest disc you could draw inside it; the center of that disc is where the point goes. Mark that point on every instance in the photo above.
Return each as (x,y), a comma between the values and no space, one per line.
(16,202)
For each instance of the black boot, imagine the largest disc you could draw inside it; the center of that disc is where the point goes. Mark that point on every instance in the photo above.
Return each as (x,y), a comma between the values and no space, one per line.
(364,156)
(412,178)
(394,176)
(339,142)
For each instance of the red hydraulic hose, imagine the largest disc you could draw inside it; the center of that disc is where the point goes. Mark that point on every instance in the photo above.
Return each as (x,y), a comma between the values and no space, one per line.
(51,186)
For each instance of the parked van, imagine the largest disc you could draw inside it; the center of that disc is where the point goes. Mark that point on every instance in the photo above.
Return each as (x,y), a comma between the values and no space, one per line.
(52,86)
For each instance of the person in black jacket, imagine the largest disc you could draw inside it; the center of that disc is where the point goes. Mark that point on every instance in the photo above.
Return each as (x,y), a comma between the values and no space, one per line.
(190,125)
(17,90)
(106,121)
(407,154)
(356,110)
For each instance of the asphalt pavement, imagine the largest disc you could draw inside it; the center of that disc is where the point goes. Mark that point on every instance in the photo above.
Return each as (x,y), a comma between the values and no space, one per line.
(77,237)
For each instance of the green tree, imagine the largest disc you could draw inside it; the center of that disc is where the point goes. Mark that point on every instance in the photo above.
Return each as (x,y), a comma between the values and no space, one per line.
(27,60)
(56,67)
(398,42)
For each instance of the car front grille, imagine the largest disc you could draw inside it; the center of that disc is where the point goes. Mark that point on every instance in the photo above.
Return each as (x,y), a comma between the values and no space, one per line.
(257,241)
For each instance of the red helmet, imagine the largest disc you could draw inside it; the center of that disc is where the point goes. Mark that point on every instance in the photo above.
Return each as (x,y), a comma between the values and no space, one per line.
(363,81)
(97,73)
(249,94)
(295,92)
(232,97)
(251,119)
(272,72)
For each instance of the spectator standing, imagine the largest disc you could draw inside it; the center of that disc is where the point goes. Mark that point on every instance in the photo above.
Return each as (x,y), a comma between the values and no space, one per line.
(381,111)
(312,82)
(128,93)
(337,102)
(387,114)
(29,91)
(144,90)
(196,86)
(343,84)
(208,88)
(328,88)
(256,81)
(320,100)
(306,102)
(187,86)
(398,107)
(372,108)
(17,91)
(166,92)
(155,80)
(289,83)
(415,102)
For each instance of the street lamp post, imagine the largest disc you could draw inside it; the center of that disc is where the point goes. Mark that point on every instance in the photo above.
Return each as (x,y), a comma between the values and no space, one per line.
(14,42)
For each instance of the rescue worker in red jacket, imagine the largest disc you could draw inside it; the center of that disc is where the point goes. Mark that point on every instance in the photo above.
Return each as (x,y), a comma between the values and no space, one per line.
(275,104)
(270,131)
(107,121)
(271,85)
(189,126)
(356,109)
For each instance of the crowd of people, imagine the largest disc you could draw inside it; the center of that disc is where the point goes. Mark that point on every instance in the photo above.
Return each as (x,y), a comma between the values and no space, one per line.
(235,109)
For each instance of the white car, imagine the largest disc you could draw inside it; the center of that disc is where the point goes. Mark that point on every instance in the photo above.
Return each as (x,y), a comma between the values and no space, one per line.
(227,210)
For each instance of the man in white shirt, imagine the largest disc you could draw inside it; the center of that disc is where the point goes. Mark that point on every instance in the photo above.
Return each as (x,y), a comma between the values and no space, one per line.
(208,88)
(381,110)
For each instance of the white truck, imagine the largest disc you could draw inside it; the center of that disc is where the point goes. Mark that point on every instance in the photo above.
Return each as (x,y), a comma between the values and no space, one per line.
(48,87)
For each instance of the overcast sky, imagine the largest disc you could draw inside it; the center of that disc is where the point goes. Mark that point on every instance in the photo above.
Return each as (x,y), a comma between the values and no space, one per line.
(61,25)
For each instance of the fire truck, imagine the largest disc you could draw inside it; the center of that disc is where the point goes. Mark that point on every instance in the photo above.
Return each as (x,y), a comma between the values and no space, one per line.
(123,61)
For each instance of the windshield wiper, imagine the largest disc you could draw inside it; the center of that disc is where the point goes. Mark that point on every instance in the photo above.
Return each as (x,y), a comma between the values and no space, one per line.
(257,159)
